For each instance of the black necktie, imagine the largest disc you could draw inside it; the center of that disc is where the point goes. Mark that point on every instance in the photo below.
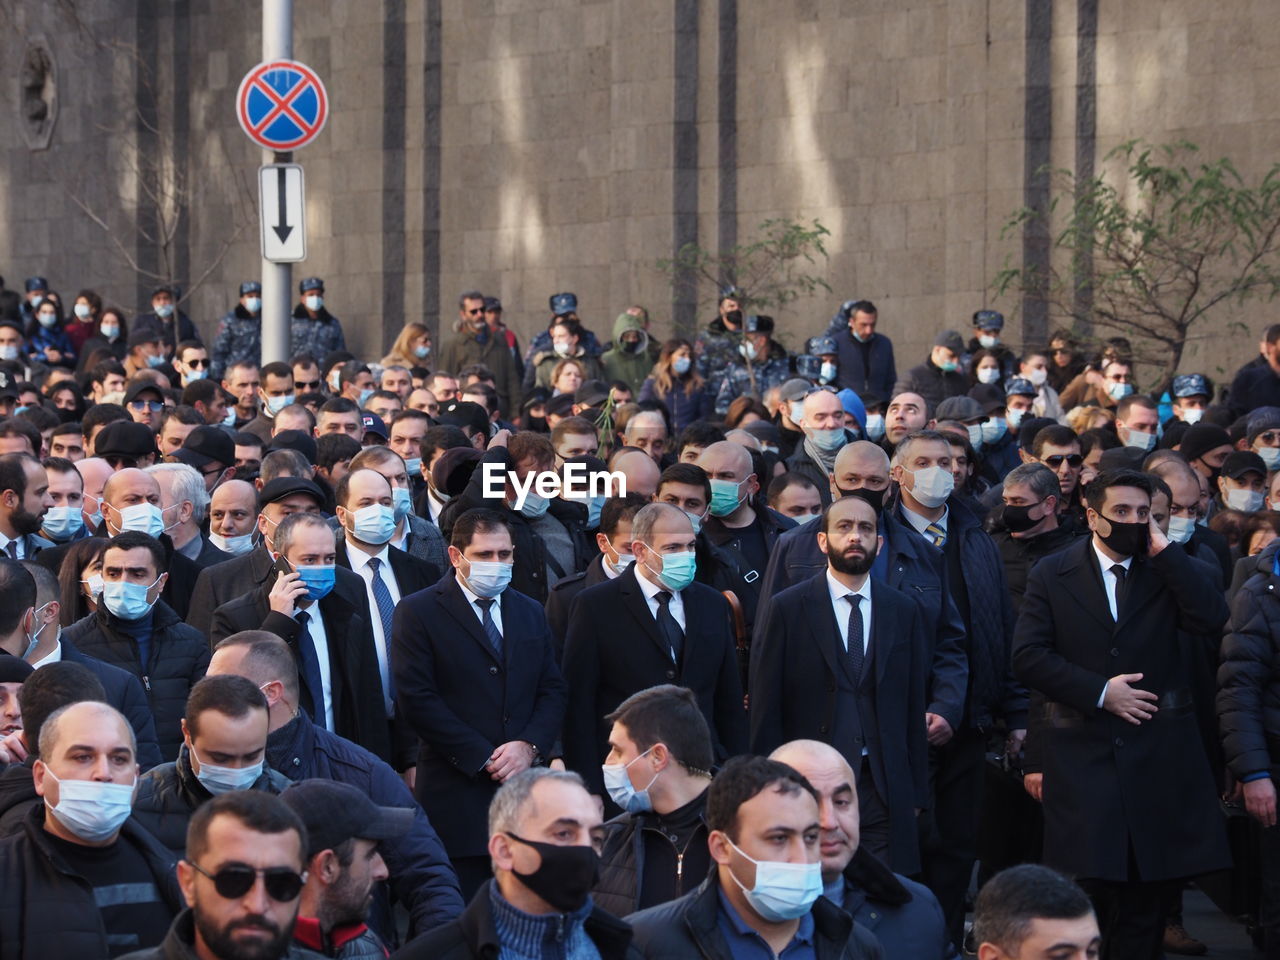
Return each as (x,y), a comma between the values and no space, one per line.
(490,627)
(669,627)
(1120,573)
(856,652)
(13,549)
(311,669)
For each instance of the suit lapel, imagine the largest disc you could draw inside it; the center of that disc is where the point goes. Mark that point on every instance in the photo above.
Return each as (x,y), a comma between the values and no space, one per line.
(455,603)
(633,599)
(822,622)
(1143,585)
(1083,580)
(884,631)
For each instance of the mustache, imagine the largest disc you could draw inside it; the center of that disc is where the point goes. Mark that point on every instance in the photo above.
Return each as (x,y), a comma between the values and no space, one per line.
(255,920)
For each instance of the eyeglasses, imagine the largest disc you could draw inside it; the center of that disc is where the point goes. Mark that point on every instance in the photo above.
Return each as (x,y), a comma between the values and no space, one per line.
(202,362)
(234,881)
(476,312)
(1270,438)
(149,405)
(306,385)
(1073,460)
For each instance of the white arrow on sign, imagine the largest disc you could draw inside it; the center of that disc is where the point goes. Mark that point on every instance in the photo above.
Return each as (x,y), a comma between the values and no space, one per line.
(280,209)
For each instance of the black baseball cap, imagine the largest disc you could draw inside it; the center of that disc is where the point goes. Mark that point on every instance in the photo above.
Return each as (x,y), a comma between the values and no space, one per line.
(140,385)
(464,413)
(282,487)
(298,440)
(206,445)
(1240,462)
(335,812)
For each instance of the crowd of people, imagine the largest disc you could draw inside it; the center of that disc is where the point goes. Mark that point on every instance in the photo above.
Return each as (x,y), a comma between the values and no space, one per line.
(304,657)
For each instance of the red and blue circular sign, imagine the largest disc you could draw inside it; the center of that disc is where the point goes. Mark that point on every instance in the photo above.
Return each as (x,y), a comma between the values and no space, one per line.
(282,105)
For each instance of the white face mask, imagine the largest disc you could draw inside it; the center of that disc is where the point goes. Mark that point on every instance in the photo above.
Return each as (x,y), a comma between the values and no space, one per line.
(1181,529)
(225,779)
(1139,440)
(92,810)
(931,485)
(1038,376)
(1192,416)
(1247,501)
(875,426)
(989,375)
(805,518)
(236,546)
(618,783)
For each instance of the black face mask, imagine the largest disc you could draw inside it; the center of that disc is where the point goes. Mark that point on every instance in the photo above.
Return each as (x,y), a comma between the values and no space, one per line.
(733,318)
(1127,539)
(1019,519)
(631,346)
(873,497)
(566,876)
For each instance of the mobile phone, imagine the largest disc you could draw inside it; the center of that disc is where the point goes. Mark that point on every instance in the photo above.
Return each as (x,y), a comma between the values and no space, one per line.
(281,566)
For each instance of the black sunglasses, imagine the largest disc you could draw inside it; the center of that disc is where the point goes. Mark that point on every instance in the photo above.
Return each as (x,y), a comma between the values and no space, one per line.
(234,881)
(1073,460)
(201,362)
(309,384)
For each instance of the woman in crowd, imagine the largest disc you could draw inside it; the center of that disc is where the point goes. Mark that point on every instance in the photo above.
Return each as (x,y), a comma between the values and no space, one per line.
(676,385)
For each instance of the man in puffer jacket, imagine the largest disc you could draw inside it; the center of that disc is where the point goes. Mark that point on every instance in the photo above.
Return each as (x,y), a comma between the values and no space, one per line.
(629,360)
(137,631)
(224,750)
(1249,718)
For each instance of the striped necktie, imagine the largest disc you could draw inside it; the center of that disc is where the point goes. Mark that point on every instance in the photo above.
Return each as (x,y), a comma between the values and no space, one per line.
(936,534)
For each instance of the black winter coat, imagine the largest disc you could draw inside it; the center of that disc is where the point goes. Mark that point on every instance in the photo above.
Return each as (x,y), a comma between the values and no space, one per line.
(932,383)
(1249,678)
(168,795)
(473,936)
(621,881)
(179,657)
(47,910)
(689,927)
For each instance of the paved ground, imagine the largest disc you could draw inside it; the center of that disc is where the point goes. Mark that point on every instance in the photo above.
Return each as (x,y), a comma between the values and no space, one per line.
(1227,939)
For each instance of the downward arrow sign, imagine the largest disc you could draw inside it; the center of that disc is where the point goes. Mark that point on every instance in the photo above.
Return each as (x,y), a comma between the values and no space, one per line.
(281,228)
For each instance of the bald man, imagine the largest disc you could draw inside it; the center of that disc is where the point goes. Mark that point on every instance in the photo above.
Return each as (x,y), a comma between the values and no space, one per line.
(740,522)
(845,659)
(233,517)
(902,914)
(640,470)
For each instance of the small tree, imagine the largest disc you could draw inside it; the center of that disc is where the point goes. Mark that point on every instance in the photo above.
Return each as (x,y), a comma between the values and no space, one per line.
(1157,256)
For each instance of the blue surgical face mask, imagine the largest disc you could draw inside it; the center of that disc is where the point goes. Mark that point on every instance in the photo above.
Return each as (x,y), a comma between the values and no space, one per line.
(534,505)
(319,580)
(1118,391)
(875,426)
(365,395)
(488,578)
(62,523)
(782,891)
(681,365)
(677,571)
(191,376)
(93,810)
(975,435)
(949,367)
(83,311)
(155,360)
(225,779)
(1181,529)
(695,520)
(1139,440)
(725,497)
(109,330)
(253,304)
(401,503)
(47,318)
(314,303)
(373,524)
(594,505)
(994,428)
(805,518)
(618,783)
(1270,457)
(128,601)
(1014,417)
(795,411)
(236,546)
(422,352)
(413,467)
(230,419)
(988,340)
(624,560)
(276,404)
(828,441)
(164,311)
(143,517)
(827,372)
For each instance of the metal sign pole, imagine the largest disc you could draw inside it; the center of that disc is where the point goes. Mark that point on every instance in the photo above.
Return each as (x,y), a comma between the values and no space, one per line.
(277,278)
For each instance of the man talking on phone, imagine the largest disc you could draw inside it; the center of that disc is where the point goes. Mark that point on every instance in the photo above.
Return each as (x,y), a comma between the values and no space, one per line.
(320,610)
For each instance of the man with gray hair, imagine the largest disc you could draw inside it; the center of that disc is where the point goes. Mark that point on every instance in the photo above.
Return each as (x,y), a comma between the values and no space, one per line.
(1026,527)
(544,834)
(652,625)
(322,612)
(647,431)
(184,503)
(82,878)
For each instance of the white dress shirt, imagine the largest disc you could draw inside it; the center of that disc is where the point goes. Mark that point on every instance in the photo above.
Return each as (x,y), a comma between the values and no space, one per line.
(1105,563)
(320,640)
(651,591)
(54,655)
(435,505)
(495,610)
(841,607)
(359,561)
(4,546)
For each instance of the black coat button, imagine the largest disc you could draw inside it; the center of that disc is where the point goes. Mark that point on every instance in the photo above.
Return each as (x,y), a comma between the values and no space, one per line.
(1115,651)
(671,674)
(1119,742)
(493,671)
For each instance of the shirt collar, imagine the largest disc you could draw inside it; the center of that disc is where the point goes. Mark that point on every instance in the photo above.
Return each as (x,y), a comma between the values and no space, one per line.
(359,559)
(803,934)
(53,656)
(1105,562)
(648,587)
(839,591)
(918,522)
(473,597)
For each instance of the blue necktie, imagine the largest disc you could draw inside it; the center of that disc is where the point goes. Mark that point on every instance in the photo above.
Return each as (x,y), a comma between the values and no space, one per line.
(669,626)
(386,610)
(311,668)
(490,628)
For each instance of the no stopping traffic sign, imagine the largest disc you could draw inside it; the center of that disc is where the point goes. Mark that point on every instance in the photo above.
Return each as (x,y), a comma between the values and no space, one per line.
(282,105)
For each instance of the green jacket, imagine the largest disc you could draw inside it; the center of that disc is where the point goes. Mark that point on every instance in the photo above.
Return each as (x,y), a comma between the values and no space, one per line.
(620,364)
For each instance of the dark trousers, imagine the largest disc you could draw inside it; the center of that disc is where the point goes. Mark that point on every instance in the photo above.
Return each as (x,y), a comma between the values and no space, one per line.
(472,873)
(951,847)
(1131,914)
(1269,908)
(873,816)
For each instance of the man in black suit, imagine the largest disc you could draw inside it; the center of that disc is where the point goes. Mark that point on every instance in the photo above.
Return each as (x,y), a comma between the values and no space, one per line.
(613,539)
(1129,799)
(366,515)
(243,574)
(477,680)
(24,499)
(843,659)
(321,612)
(652,625)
